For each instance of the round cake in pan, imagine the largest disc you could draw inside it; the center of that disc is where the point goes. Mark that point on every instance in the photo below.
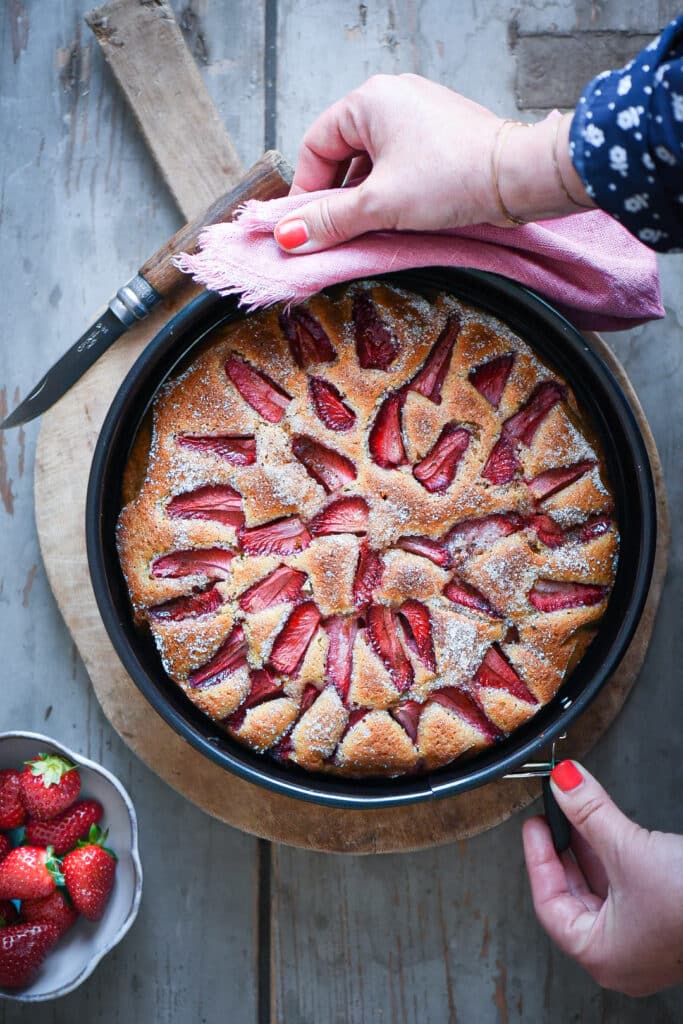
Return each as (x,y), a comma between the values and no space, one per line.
(373,533)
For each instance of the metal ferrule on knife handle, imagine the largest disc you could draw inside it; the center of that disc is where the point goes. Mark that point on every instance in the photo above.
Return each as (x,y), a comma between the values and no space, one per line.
(134,300)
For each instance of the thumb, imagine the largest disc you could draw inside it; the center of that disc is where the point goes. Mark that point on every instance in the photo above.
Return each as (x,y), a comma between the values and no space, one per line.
(592,812)
(328,221)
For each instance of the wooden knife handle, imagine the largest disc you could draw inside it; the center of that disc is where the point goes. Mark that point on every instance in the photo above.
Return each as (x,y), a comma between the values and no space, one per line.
(269,178)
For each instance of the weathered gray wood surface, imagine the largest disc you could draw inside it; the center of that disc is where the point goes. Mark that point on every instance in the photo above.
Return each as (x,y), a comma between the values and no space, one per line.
(427,938)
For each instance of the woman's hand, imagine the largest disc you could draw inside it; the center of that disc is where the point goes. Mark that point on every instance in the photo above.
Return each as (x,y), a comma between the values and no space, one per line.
(617,905)
(422,157)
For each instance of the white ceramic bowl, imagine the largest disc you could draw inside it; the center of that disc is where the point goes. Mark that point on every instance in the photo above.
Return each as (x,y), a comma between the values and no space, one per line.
(79,951)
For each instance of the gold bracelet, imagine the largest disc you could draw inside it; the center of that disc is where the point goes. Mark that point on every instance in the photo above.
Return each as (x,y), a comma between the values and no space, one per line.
(495,163)
(558,170)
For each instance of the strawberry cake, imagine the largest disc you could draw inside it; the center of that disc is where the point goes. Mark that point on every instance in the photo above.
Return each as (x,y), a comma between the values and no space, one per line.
(369,534)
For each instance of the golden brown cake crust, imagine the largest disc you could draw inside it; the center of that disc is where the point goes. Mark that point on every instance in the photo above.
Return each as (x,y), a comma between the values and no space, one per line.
(364,653)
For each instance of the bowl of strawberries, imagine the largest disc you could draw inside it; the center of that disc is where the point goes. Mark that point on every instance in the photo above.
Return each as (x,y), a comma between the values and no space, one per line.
(70,872)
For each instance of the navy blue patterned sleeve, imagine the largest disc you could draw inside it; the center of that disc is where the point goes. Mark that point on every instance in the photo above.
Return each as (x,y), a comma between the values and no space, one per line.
(626,141)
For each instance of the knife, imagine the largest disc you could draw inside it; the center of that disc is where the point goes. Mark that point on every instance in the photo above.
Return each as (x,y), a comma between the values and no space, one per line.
(269,178)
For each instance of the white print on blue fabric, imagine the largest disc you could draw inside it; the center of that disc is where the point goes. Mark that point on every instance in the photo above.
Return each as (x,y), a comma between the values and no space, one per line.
(652,235)
(628,145)
(629,117)
(618,160)
(594,135)
(666,155)
(637,202)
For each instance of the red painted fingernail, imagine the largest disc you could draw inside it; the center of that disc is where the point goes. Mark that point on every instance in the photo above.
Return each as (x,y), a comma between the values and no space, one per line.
(566,775)
(292,234)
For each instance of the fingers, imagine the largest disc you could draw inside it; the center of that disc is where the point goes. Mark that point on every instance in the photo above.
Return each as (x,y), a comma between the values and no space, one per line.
(577,883)
(563,913)
(591,866)
(593,814)
(332,140)
(328,221)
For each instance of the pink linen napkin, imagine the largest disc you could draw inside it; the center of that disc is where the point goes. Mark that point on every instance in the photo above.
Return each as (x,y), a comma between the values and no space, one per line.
(587,265)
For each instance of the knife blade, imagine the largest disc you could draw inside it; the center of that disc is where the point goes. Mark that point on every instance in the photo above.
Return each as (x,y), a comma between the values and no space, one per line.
(80,357)
(158,278)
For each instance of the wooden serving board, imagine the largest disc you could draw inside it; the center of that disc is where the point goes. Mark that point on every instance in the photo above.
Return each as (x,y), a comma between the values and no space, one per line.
(65,445)
(128,32)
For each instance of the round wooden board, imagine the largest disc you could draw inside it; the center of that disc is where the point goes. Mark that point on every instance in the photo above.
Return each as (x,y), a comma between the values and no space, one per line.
(66,441)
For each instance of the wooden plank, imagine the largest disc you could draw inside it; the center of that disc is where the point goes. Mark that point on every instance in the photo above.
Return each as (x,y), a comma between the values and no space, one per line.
(144,47)
(81,206)
(449,935)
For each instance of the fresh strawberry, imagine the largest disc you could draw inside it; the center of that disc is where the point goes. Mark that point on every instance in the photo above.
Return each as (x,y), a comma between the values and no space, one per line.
(328,467)
(490,378)
(54,909)
(263,687)
(548,531)
(28,872)
(467,596)
(5,846)
(437,470)
(594,527)
(557,595)
(375,346)
(386,433)
(23,947)
(434,550)
(211,562)
(473,535)
(368,575)
(12,813)
(8,913)
(417,629)
(292,642)
(308,341)
(383,635)
(63,832)
(278,537)
(341,634)
(258,390)
(206,602)
(496,672)
(345,515)
(502,463)
(553,480)
(329,405)
(237,450)
(230,656)
(408,715)
(281,585)
(429,380)
(460,703)
(89,874)
(524,424)
(49,784)
(216,502)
